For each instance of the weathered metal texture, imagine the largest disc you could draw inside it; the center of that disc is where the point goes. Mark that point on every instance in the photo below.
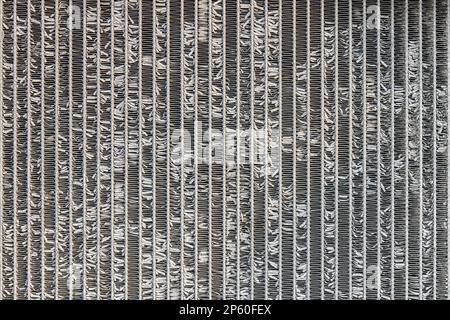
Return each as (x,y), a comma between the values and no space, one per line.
(250,149)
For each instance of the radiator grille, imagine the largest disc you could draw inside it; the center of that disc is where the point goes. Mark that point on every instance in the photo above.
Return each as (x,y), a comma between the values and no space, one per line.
(222,149)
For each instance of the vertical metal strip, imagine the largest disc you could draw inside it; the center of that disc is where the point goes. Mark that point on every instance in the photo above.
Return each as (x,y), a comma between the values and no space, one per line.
(196,143)
(378,177)
(322,150)
(251,156)
(134,202)
(168,224)
(162,233)
(154,148)
(153,151)
(29,190)
(315,106)
(393,171)
(210,181)
(280,146)
(434,293)
(400,156)
(238,153)
(294,150)
(343,139)
(98,146)
(448,150)
(140,150)
(406,151)
(14,98)
(266,148)
(147,116)
(113,206)
(245,175)
(205,213)
(422,100)
(420,157)
(257,127)
(300,153)
(174,102)
(57,211)
(42,149)
(364,77)
(225,146)
(287,74)
(336,150)
(70,173)
(329,157)
(187,125)
(2,167)
(308,143)
(217,173)
(65,22)
(182,162)
(84,106)
(244,160)
(441,12)
(350,149)
(273,88)
(387,172)
(126,107)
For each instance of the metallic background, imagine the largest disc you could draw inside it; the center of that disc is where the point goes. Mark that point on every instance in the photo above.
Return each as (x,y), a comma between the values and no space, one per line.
(348,201)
